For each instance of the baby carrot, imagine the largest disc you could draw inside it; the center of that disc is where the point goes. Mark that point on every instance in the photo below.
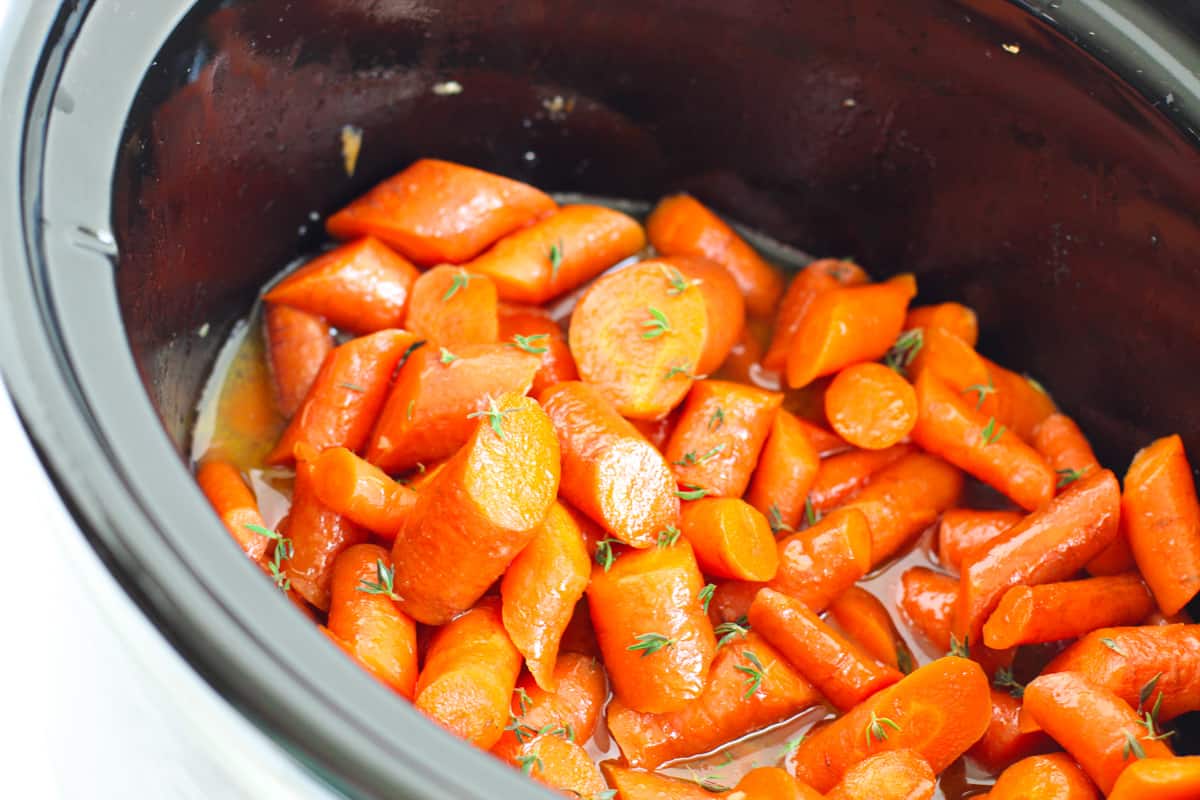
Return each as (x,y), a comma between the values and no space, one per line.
(650,622)
(362,286)
(610,472)
(559,252)
(724,302)
(478,512)
(841,671)
(235,504)
(365,494)
(750,687)
(534,332)
(1065,448)
(633,784)
(719,436)
(787,468)
(848,325)
(818,277)
(1004,743)
(559,763)
(827,442)
(927,599)
(1162,519)
(638,337)
(437,212)
(731,600)
(1160,778)
(867,622)
(1050,777)
(964,530)
(573,708)
(364,617)
(657,431)
(890,775)
(540,589)
(1021,403)
(297,344)
(681,226)
(469,675)
(938,711)
(452,307)
(818,563)
(731,538)
(953,318)
(771,783)
(841,476)
(871,406)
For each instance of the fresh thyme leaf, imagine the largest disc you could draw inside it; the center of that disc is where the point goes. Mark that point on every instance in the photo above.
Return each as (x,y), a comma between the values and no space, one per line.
(261,531)
(1132,747)
(991,434)
(811,515)
(904,660)
(754,673)
(983,389)
(519,729)
(961,649)
(523,699)
(353,387)
(690,491)
(691,459)
(902,353)
(668,536)
(657,325)
(876,730)
(1111,645)
(408,413)
(685,371)
(556,256)
(384,582)
(651,643)
(283,551)
(529,762)
(494,415)
(679,284)
(460,281)
(530,344)
(604,553)
(448,357)
(1068,476)
(706,595)
(1147,691)
(1004,680)
(717,419)
(775,520)
(726,631)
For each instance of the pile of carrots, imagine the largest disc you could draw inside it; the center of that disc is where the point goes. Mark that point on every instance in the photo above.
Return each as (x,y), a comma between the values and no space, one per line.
(656,519)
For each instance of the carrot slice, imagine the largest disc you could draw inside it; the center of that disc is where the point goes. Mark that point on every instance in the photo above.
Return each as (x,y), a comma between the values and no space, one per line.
(818,277)
(633,784)
(963,531)
(363,616)
(297,344)
(235,504)
(840,477)
(437,212)
(681,226)
(938,711)
(534,332)
(867,622)
(657,431)
(731,538)
(1004,743)
(892,775)
(478,512)
(819,563)
(453,307)
(787,468)
(638,338)
(574,707)
(362,286)
(927,599)
(1160,778)
(750,687)
(871,406)
(953,318)
(1050,777)
(657,642)
(610,472)
(362,492)
(559,763)
(724,302)
(731,601)
(771,783)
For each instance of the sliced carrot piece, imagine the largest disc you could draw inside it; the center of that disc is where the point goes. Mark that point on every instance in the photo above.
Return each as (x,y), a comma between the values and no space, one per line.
(731,538)
(559,763)
(827,442)
(1049,777)
(235,504)
(731,601)
(633,784)
(819,563)
(963,531)
(1022,403)
(927,599)
(771,783)
(818,277)
(581,689)
(452,307)
(657,431)
(297,344)
(871,406)
(351,486)
(534,332)
(1160,778)
(724,302)
(840,477)
(953,318)
(1004,743)
(891,775)
(867,622)
(787,468)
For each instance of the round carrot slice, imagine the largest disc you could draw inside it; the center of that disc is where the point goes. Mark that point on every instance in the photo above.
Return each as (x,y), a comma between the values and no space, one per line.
(732,539)
(871,406)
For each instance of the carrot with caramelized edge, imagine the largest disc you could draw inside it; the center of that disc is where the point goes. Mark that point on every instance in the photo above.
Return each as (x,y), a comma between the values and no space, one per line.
(953,318)
(818,277)
(869,624)
(731,538)
(634,784)
(963,531)
(361,491)
(818,563)
(1053,611)
(722,299)
(841,476)
(730,601)
(1004,742)
(871,406)
(297,344)
(787,468)
(235,504)
(927,599)
(1044,777)
(452,307)
(534,332)
(891,775)
(1159,778)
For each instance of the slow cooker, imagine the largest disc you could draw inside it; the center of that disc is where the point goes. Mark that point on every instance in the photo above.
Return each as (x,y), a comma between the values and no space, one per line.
(1036,159)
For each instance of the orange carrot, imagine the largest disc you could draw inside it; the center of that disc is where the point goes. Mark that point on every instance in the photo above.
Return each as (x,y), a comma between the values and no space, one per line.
(867,622)
(478,512)
(787,468)
(818,277)
(610,472)
(297,344)
(1053,611)
(1051,777)
(580,637)
(731,538)
(742,365)
(827,442)
(819,563)
(840,477)
(771,783)
(437,212)
(927,599)
(1021,402)
(1004,743)
(235,504)
(963,531)
(1065,448)
(954,318)
(348,485)
(574,707)
(731,601)
(1159,778)
(723,300)
(362,286)
(453,307)
(891,775)
(633,784)
(657,431)
(871,406)
(559,763)
(558,253)
(638,336)
(681,226)
(536,333)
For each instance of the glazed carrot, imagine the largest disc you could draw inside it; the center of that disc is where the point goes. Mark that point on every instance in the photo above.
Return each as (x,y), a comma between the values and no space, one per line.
(827,442)
(633,784)
(742,365)
(731,538)
(346,396)
(1021,403)
(559,252)
(536,333)
(1065,448)
(427,415)
(1156,617)
(953,318)
(1051,777)
(439,212)
(540,590)
(719,436)
(938,711)
(871,406)
(638,337)
(362,286)
(656,640)
(297,344)
(867,622)
(657,431)
(681,226)
(818,277)
(364,617)
(610,472)
(580,637)
(927,599)
(963,531)
(840,477)
(1160,778)
(351,486)
(847,326)
(724,302)
(1117,557)
(950,427)
(1162,519)
(845,674)
(478,512)
(1099,729)
(453,307)
(1053,611)
(559,763)
(1004,743)
(1051,544)
(234,503)
(731,601)
(750,687)
(818,563)
(787,468)
(771,783)
(891,775)
(469,675)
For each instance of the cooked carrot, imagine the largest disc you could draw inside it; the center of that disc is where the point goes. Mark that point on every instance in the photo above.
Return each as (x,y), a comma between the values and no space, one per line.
(235,504)
(840,670)
(742,365)
(927,599)
(364,617)
(938,711)
(540,589)
(349,485)
(427,415)
(818,277)
(731,601)
(580,637)
(848,325)
(346,396)
(1049,777)
(1021,403)
(724,302)
(1053,611)
(478,512)
(362,286)
(558,253)
(1117,557)
(560,763)
(950,427)
(610,472)
(891,775)
(633,784)
(574,706)
(437,212)
(1051,544)
(1156,617)
(750,687)
(827,442)
(731,538)
(963,531)
(719,436)
(297,344)
(536,333)
(954,318)
(871,406)
(657,431)
(771,783)
(840,477)
(1162,519)
(818,563)
(470,672)
(1159,778)
(638,337)
(650,622)
(681,226)
(451,307)
(1065,448)
(787,468)
(867,622)
(1099,729)
(1004,743)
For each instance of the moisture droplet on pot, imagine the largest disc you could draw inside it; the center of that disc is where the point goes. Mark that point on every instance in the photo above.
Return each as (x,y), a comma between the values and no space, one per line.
(447,88)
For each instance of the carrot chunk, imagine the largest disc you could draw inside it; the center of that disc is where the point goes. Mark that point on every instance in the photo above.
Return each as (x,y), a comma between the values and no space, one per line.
(963,531)
(453,307)
(1051,777)
(234,503)
(871,406)
(731,538)
(634,784)
(771,783)
(1160,778)
(559,763)
(574,706)
(891,775)
(818,277)
(927,599)
(953,318)
(724,302)
(1065,448)
(362,492)
(787,468)
(534,332)
(297,344)
(818,563)
(1005,743)
(840,477)
(869,624)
